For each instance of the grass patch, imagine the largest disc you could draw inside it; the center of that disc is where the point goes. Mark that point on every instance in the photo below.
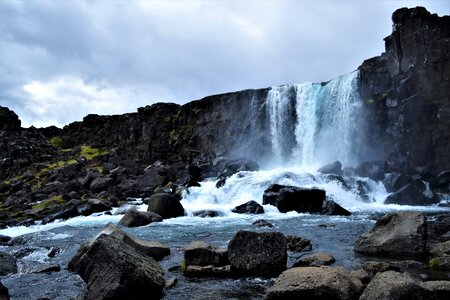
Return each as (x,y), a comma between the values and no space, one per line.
(433,263)
(90,153)
(53,201)
(55,141)
(183,266)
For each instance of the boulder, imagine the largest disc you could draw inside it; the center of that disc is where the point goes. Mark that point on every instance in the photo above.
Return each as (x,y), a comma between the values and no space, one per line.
(333,168)
(414,193)
(4,239)
(262,223)
(331,208)
(374,267)
(92,206)
(373,169)
(165,205)
(400,234)
(315,283)
(4,294)
(66,211)
(208,271)
(441,255)
(250,207)
(89,178)
(291,198)
(134,218)
(8,264)
(202,254)
(394,181)
(439,289)
(315,260)
(258,253)
(394,285)
(153,249)
(205,213)
(9,119)
(441,182)
(101,184)
(298,244)
(115,270)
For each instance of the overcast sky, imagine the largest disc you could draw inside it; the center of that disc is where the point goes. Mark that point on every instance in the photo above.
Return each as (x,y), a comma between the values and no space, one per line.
(61,60)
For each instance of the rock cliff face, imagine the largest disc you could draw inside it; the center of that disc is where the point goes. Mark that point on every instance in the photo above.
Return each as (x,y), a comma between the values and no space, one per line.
(407,91)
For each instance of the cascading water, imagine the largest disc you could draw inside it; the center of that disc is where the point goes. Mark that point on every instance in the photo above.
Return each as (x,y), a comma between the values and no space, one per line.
(325,121)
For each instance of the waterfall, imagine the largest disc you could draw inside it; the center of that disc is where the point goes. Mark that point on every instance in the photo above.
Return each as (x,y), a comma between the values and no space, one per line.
(315,123)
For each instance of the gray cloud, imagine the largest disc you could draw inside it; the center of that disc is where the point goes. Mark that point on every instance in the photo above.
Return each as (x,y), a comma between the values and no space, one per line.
(61,60)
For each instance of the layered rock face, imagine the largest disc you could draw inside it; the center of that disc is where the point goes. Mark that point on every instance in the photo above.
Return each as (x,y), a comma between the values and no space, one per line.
(407,92)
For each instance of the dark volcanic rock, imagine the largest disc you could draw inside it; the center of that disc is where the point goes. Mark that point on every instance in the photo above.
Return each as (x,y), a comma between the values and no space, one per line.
(165,205)
(115,270)
(315,260)
(298,244)
(134,218)
(289,198)
(262,223)
(8,119)
(394,181)
(258,254)
(4,239)
(315,283)
(251,207)
(373,169)
(8,264)
(200,253)
(333,168)
(441,182)
(206,213)
(331,208)
(414,193)
(92,206)
(395,235)
(4,294)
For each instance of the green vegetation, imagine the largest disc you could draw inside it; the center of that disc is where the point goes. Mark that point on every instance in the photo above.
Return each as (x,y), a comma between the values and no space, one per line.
(90,153)
(53,201)
(55,141)
(172,134)
(183,266)
(370,101)
(167,119)
(433,263)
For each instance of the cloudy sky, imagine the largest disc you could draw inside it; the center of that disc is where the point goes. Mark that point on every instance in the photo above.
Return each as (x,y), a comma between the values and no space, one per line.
(61,60)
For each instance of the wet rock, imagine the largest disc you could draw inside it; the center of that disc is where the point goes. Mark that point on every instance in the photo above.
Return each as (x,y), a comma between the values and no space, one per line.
(203,254)
(262,223)
(165,205)
(251,207)
(153,249)
(298,244)
(290,198)
(4,239)
(208,271)
(8,264)
(115,270)
(394,285)
(315,260)
(205,213)
(441,254)
(414,193)
(92,206)
(48,269)
(67,211)
(170,283)
(441,182)
(4,294)
(221,182)
(134,218)
(258,253)
(331,208)
(315,283)
(394,181)
(373,169)
(333,168)
(398,234)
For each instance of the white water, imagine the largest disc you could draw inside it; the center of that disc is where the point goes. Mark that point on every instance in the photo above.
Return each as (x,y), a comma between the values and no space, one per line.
(324,118)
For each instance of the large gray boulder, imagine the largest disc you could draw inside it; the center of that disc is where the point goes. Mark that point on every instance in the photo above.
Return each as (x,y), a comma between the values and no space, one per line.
(200,253)
(400,234)
(315,283)
(115,270)
(258,253)
(394,285)
(134,218)
(8,264)
(165,205)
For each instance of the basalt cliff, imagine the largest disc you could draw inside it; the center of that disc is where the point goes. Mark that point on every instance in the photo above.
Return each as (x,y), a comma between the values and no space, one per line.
(97,163)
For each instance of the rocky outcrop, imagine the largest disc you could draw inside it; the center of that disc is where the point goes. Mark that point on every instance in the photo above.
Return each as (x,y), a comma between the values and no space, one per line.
(134,218)
(250,207)
(258,253)
(200,253)
(401,234)
(8,264)
(406,92)
(315,283)
(414,193)
(114,270)
(165,205)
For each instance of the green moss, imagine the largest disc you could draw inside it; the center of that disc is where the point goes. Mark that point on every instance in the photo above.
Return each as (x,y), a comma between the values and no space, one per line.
(53,201)
(90,153)
(183,266)
(433,263)
(55,141)
(172,134)
(167,119)
(370,101)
